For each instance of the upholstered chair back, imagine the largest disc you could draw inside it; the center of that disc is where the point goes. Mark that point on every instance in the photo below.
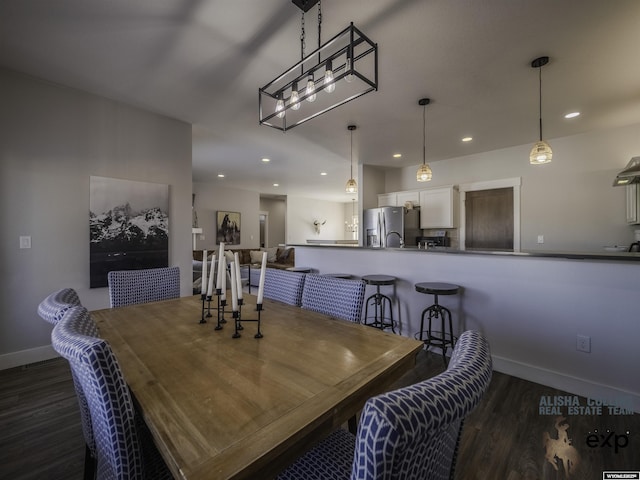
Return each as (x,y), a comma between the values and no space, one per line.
(413,432)
(108,397)
(337,297)
(52,308)
(284,286)
(129,287)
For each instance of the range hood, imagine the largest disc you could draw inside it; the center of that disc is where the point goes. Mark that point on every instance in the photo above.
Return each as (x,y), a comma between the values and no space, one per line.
(630,174)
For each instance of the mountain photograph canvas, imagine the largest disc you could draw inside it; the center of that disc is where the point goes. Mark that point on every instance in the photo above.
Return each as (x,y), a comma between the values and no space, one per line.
(128,226)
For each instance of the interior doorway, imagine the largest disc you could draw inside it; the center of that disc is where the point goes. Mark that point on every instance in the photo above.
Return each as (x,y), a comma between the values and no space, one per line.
(264,229)
(490,215)
(489,219)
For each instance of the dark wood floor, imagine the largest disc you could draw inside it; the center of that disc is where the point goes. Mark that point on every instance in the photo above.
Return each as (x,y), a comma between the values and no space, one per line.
(41,437)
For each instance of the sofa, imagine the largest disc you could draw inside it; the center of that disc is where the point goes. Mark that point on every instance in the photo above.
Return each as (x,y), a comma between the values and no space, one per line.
(277,257)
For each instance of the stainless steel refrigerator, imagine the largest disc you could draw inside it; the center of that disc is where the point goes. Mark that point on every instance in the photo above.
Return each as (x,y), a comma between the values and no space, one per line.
(386,226)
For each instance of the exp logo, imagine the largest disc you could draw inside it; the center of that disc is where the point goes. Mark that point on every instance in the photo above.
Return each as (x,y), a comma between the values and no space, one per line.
(608,439)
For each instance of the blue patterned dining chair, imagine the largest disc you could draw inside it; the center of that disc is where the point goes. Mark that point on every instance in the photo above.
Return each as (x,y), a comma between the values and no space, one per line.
(130,287)
(52,309)
(124,448)
(284,286)
(336,297)
(408,434)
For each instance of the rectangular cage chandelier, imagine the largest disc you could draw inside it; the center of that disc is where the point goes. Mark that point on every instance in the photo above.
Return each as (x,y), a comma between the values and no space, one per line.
(341,70)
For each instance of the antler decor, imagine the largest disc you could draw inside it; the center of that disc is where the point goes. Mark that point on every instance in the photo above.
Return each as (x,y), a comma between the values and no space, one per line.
(317,224)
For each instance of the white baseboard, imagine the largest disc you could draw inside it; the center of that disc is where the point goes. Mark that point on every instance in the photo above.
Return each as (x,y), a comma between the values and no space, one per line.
(567,383)
(24,357)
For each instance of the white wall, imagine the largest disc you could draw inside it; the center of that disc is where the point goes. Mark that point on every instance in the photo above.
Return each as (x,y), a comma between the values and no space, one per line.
(302,212)
(570,201)
(52,140)
(211,198)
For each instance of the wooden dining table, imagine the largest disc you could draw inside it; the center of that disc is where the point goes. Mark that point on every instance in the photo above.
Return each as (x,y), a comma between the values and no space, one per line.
(220,407)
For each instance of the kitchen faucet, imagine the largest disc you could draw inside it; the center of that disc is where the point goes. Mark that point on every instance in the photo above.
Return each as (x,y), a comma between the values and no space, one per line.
(399,236)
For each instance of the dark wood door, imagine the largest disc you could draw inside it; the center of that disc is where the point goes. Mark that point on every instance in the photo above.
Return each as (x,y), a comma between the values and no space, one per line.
(489,219)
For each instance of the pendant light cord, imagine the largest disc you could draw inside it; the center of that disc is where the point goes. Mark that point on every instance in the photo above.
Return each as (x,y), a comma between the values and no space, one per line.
(424,134)
(540,99)
(351,153)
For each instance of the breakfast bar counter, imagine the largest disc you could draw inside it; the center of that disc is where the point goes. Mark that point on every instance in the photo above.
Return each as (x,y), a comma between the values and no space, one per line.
(531,305)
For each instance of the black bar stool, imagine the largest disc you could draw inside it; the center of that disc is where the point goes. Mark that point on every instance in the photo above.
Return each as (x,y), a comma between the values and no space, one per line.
(440,339)
(379,302)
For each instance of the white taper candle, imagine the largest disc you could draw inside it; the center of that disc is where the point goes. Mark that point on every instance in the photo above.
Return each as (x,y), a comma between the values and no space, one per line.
(203,287)
(223,274)
(210,286)
(234,288)
(238,279)
(220,267)
(263,270)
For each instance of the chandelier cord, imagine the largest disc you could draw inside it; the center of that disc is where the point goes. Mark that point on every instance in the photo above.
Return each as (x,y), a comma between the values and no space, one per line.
(319,29)
(302,42)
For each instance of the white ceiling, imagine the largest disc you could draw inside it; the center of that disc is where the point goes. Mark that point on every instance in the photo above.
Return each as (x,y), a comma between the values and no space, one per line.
(202,61)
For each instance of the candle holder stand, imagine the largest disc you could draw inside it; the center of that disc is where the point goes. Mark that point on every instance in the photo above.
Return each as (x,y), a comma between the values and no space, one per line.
(239,324)
(221,304)
(203,297)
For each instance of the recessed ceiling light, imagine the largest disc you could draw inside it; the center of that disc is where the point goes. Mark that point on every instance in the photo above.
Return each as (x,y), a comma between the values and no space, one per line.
(572,115)
(397,155)
(323,173)
(221,175)
(467,139)
(266,160)
(276,184)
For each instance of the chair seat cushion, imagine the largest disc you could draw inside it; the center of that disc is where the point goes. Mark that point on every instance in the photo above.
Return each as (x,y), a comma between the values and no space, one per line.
(330,459)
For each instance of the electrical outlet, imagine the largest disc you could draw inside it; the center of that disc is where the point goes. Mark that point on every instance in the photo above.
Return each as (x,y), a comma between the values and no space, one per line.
(583,343)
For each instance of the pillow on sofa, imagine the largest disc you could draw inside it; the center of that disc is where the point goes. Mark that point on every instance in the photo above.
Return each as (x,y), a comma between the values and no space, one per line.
(283,255)
(272,253)
(256,256)
(229,256)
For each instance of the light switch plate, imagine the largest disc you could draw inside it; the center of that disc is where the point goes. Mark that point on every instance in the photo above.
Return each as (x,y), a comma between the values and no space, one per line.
(25,242)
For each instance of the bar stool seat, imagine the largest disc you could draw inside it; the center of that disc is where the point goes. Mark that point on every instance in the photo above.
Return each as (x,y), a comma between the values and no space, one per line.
(300,269)
(338,275)
(440,339)
(379,302)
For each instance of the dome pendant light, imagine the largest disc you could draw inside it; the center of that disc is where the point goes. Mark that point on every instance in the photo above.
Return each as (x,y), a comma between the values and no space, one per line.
(541,151)
(352,186)
(424,172)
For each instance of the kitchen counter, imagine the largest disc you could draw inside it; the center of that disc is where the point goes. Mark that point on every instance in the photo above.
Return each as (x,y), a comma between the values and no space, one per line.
(604,255)
(531,306)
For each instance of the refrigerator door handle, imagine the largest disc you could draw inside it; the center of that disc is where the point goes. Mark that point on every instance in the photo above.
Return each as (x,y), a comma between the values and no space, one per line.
(383,237)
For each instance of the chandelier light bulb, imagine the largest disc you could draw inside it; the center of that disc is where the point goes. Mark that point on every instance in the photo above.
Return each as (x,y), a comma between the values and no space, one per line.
(311,88)
(280,107)
(349,76)
(295,97)
(329,84)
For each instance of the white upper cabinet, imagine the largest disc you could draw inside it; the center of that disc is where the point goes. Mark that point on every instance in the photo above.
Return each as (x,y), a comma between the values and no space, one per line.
(387,199)
(438,207)
(399,199)
(411,196)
